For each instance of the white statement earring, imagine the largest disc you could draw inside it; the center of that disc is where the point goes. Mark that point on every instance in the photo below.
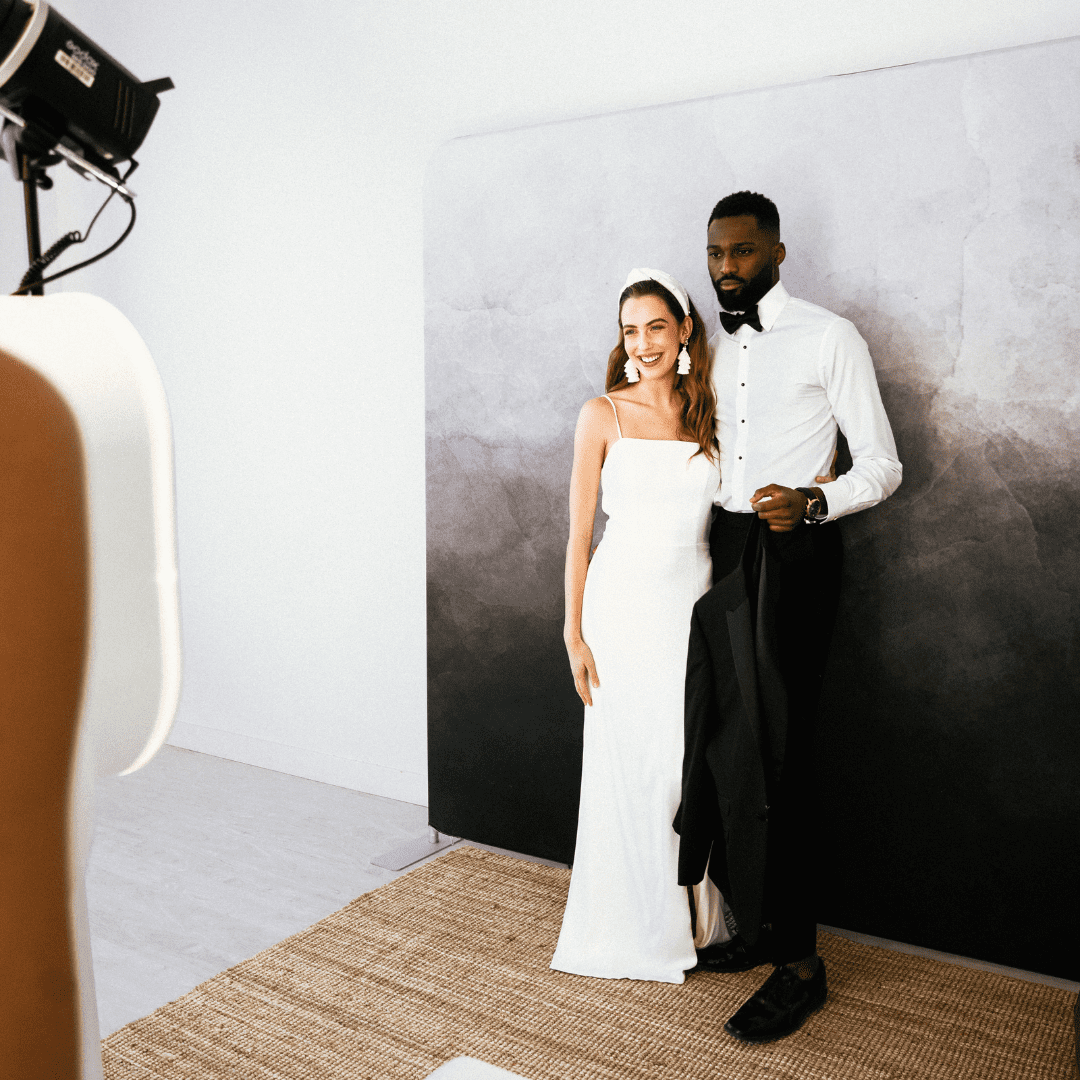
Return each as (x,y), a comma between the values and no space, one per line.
(632,373)
(684,361)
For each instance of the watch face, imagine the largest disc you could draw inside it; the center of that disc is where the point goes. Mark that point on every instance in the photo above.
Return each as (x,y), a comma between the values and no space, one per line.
(814,511)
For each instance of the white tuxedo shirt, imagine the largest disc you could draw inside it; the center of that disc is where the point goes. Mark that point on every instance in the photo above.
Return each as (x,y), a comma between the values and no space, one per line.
(781,395)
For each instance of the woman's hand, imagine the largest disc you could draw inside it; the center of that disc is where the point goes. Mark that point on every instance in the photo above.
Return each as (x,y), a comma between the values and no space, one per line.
(583,667)
(831,475)
(596,428)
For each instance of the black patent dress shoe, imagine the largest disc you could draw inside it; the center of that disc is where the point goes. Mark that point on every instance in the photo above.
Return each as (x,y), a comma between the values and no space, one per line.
(731,956)
(780,1006)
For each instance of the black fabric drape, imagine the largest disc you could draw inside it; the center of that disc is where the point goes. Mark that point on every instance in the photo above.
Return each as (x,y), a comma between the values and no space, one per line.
(758,643)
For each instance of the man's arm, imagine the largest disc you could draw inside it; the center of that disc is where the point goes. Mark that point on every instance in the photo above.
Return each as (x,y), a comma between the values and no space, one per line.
(847,374)
(850,382)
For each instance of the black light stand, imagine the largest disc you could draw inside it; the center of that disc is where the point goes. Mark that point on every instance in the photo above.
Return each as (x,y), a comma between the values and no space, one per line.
(30,179)
(64,98)
(32,152)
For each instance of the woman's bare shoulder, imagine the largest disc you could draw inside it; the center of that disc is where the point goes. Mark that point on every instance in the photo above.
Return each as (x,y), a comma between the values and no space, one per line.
(596,407)
(597,419)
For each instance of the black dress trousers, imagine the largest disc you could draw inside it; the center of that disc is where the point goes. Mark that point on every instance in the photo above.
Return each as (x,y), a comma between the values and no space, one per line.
(809,561)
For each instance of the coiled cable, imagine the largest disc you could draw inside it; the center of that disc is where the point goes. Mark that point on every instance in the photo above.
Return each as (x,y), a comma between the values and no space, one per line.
(31,280)
(46,258)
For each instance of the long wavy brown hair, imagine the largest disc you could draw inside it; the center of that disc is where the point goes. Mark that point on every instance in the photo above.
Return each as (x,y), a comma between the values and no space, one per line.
(698,419)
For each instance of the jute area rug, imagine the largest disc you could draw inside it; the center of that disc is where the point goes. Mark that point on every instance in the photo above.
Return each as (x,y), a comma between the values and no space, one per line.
(452,959)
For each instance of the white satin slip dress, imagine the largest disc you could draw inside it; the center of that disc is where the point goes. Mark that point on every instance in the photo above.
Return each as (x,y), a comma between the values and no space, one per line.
(626,915)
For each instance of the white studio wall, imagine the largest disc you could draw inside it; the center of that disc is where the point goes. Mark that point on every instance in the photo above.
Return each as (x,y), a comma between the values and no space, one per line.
(276,276)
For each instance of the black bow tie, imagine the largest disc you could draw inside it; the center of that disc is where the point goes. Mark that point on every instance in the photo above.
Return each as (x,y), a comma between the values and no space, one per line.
(732,320)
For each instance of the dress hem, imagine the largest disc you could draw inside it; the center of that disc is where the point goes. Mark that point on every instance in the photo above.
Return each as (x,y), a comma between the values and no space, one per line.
(594,974)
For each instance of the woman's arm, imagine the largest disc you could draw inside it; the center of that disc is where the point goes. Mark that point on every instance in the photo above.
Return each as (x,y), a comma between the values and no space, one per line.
(590,443)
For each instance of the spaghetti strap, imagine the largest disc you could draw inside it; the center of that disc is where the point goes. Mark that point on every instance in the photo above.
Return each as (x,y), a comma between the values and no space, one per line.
(616,412)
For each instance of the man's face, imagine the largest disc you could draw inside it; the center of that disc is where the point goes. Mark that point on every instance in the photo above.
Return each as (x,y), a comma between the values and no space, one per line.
(744,261)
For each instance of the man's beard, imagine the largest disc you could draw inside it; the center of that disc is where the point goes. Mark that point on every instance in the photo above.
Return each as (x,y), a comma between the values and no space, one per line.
(747,297)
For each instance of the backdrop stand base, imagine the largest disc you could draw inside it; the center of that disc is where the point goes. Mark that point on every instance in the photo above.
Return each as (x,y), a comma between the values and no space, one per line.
(414,851)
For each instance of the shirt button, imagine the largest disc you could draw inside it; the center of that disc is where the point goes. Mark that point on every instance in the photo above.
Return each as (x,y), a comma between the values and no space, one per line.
(744,346)
(742,421)
(742,384)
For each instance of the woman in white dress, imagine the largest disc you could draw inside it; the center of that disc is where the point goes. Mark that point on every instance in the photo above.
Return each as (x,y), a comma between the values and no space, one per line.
(650,442)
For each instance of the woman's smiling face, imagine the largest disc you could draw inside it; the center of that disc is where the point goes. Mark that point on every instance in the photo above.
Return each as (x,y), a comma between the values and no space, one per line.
(651,335)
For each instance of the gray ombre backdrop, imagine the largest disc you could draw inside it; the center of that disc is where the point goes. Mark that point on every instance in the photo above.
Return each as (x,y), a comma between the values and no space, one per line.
(938,207)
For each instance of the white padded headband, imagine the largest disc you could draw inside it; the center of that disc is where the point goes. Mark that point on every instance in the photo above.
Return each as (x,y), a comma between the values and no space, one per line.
(669,283)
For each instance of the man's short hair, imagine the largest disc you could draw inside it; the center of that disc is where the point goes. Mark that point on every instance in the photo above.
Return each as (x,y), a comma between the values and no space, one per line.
(748,202)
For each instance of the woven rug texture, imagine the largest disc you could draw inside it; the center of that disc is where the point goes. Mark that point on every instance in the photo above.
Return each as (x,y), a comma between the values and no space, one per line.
(452,959)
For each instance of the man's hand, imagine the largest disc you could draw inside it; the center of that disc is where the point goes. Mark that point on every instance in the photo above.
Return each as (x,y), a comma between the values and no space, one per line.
(782,507)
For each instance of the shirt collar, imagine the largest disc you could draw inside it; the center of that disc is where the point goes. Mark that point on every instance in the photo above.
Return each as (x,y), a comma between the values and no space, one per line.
(771,304)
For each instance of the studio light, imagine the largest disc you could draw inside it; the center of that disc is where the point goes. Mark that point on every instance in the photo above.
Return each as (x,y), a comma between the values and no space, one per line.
(62,97)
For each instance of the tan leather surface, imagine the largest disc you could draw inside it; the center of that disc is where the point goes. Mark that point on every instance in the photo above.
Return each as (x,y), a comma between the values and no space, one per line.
(43,639)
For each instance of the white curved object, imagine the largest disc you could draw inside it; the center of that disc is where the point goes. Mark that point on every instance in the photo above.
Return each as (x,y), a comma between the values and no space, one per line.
(468,1068)
(98,363)
(93,357)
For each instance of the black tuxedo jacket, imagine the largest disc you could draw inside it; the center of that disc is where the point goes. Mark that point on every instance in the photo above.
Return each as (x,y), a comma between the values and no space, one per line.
(735,726)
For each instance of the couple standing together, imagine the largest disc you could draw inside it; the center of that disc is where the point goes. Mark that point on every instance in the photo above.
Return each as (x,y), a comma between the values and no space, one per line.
(716,464)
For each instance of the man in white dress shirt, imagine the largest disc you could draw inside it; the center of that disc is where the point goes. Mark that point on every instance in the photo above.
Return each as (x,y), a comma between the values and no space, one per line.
(788,375)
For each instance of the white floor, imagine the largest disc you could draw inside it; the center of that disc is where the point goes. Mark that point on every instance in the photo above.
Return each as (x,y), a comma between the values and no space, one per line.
(199,863)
